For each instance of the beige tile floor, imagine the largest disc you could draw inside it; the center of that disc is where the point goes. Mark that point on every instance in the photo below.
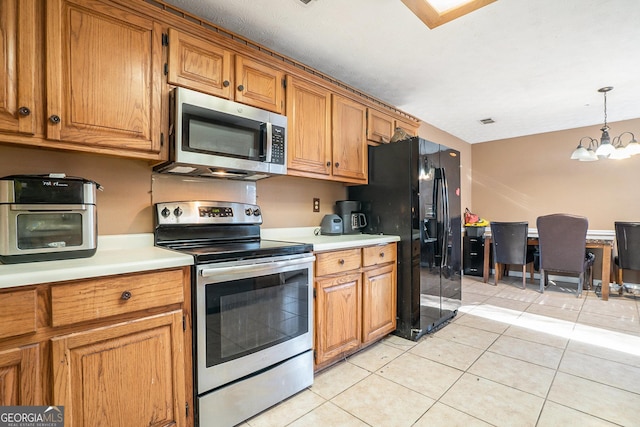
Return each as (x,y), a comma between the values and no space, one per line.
(511,357)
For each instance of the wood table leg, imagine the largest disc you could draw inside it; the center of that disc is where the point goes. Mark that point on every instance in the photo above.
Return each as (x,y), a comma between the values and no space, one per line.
(606,271)
(485,261)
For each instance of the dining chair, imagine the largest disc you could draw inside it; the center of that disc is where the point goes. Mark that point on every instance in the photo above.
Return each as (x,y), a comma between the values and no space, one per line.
(509,242)
(562,240)
(628,246)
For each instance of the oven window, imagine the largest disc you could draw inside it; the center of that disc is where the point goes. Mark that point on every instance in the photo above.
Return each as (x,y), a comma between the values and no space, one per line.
(240,138)
(248,315)
(49,230)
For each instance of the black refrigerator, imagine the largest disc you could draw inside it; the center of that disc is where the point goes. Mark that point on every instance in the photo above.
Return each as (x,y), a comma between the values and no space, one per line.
(414,192)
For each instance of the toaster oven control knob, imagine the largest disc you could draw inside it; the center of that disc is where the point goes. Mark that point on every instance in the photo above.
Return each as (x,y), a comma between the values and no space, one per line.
(248,211)
(165,212)
(177,211)
(256,212)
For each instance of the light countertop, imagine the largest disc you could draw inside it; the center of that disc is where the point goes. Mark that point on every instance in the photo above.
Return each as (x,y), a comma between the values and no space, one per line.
(325,243)
(129,253)
(116,254)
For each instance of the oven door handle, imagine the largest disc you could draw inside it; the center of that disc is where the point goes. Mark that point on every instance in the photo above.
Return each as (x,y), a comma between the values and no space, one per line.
(255,268)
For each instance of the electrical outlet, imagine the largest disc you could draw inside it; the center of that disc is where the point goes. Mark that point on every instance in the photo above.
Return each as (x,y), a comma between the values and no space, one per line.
(316,204)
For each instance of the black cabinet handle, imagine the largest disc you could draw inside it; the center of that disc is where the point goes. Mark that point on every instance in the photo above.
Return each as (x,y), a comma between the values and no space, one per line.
(341,262)
(381,254)
(54,119)
(125,295)
(240,88)
(337,164)
(24,111)
(225,83)
(328,164)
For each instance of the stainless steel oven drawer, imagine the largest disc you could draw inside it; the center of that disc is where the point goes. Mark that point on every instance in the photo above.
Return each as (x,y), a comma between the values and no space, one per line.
(234,403)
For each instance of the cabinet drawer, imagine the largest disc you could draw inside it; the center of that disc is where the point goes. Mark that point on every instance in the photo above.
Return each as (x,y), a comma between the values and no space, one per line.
(381,254)
(337,262)
(103,297)
(18,314)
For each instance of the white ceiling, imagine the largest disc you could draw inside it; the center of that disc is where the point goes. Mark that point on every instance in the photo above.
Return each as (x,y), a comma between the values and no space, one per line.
(532,66)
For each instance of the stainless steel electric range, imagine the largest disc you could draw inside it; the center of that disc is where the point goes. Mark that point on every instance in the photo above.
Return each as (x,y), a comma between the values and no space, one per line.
(252,306)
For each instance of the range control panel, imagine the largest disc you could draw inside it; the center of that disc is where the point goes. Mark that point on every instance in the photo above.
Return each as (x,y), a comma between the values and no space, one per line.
(207,212)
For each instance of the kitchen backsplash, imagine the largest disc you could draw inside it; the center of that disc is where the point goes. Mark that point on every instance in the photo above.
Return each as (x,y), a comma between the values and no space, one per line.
(130,189)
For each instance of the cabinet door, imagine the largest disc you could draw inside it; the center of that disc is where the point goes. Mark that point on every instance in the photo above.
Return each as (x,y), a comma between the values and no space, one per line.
(408,127)
(17,61)
(259,85)
(379,127)
(103,77)
(20,376)
(129,374)
(378,302)
(338,316)
(309,128)
(349,145)
(199,65)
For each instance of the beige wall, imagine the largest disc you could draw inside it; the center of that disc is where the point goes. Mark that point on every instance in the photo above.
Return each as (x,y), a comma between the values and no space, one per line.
(519,179)
(125,204)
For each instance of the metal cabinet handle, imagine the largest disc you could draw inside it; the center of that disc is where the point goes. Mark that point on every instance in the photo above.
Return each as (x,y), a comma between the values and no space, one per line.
(240,88)
(225,83)
(328,163)
(341,262)
(54,119)
(24,111)
(337,164)
(125,295)
(381,254)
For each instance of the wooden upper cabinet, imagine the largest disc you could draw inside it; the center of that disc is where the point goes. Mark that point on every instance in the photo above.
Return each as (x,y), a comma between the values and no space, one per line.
(408,126)
(259,85)
(380,127)
(309,128)
(199,65)
(104,73)
(349,139)
(17,61)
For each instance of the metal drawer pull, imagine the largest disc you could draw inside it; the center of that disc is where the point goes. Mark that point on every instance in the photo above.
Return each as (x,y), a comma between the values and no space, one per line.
(125,295)
(381,254)
(341,262)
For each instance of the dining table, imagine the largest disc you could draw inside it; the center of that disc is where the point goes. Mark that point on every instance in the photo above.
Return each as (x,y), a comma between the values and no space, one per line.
(596,239)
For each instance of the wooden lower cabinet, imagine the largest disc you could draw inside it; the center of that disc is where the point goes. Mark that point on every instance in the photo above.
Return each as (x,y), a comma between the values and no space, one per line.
(113,350)
(378,302)
(20,376)
(355,300)
(126,374)
(338,316)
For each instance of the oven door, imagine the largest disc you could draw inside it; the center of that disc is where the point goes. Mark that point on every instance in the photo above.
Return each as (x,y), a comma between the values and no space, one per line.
(251,315)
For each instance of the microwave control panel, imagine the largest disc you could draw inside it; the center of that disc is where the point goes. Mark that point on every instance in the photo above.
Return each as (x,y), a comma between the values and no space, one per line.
(277,145)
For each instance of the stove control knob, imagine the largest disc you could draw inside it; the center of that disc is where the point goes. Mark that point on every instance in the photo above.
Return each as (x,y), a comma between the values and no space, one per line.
(248,211)
(165,212)
(177,211)
(256,212)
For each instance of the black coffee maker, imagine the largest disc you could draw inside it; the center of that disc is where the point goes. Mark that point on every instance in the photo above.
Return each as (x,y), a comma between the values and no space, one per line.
(353,220)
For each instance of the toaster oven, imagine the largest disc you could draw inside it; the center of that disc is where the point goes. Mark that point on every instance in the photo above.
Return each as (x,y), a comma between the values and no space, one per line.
(47,217)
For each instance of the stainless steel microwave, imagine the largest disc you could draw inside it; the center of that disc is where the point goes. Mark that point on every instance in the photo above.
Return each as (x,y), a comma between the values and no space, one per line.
(219,138)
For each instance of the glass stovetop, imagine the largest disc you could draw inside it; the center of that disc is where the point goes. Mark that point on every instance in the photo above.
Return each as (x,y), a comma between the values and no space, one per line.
(203,252)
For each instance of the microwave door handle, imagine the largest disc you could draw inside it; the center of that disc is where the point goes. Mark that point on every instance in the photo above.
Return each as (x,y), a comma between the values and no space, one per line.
(267,143)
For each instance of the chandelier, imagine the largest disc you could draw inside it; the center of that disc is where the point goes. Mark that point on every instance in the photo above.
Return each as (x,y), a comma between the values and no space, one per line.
(606,148)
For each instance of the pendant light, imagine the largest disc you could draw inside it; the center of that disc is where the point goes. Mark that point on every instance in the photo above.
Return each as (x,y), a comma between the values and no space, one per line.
(606,148)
